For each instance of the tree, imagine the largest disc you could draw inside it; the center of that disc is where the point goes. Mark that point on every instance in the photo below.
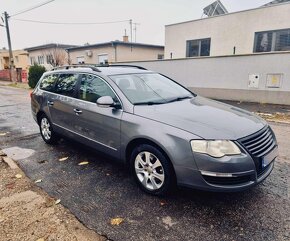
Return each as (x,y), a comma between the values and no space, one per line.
(34,74)
(56,57)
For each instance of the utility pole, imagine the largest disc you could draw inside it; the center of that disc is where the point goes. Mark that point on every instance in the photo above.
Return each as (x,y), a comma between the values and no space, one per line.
(11,61)
(131,33)
(131,30)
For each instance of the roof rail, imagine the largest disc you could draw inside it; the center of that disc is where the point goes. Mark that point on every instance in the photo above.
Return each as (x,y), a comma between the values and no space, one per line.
(94,68)
(123,65)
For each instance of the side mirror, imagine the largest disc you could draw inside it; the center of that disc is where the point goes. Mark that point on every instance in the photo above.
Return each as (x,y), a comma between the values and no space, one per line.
(107,101)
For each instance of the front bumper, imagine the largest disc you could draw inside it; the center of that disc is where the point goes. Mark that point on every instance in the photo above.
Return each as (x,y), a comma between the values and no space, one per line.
(228,174)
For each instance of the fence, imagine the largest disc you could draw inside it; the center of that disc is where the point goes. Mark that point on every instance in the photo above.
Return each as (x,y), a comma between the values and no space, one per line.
(18,74)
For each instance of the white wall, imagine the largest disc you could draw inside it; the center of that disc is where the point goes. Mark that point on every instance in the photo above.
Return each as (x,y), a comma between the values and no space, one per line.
(234,29)
(228,77)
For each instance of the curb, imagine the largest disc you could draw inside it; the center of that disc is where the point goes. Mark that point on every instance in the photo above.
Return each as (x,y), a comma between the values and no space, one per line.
(9,161)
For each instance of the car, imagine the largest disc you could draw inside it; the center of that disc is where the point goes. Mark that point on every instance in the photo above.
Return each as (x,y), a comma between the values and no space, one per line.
(167,135)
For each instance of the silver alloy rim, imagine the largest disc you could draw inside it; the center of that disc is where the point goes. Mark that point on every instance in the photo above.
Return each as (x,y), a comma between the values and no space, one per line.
(149,170)
(45,129)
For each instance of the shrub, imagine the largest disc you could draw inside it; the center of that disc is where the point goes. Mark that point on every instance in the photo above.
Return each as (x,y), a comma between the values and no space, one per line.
(34,74)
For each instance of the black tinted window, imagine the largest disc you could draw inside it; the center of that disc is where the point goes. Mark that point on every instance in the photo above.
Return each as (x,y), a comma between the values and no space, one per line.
(93,87)
(66,84)
(48,82)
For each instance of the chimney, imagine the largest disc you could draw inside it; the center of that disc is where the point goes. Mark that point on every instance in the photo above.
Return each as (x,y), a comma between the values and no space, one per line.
(125,37)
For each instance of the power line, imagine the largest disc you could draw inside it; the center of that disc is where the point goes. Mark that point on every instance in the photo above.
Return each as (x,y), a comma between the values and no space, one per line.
(69,23)
(29,9)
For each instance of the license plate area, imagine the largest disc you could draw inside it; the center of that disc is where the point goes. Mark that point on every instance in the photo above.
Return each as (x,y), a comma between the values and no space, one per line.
(266,160)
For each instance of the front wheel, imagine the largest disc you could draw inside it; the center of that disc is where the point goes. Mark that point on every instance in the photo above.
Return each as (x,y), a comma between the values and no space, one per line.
(152,170)
(46,131)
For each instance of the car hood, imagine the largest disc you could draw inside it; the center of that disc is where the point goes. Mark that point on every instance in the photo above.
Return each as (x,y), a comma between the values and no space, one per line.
(206,118)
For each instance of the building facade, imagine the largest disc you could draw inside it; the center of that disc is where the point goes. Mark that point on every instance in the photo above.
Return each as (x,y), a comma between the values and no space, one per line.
(264,29)
(20,59)
(49,55)
(114,51)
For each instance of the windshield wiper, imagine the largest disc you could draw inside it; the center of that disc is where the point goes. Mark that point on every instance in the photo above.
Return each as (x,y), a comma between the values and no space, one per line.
(149,103)
(179,99)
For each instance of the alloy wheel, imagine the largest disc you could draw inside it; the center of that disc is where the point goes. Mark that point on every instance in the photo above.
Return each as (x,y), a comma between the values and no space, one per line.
(45,129)
(149,170)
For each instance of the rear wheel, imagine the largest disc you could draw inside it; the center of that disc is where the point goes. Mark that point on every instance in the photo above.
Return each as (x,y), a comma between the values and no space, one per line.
(152,170)
(46,131)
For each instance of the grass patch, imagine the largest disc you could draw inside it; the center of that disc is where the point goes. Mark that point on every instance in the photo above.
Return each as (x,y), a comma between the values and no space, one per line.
(19,85)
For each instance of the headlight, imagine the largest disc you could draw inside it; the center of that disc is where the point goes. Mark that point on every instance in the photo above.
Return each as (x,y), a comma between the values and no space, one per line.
(215,148)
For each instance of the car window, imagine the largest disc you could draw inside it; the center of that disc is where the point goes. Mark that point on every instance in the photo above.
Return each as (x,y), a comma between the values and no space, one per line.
(93,87)
(66,84)
(48,82)
(143,88)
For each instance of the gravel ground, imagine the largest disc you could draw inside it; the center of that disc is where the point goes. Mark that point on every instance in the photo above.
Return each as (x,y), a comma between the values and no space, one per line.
(28,213)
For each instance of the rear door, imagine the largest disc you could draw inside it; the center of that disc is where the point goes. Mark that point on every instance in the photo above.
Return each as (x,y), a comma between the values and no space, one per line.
(101,126)
(46,94)
(62,104)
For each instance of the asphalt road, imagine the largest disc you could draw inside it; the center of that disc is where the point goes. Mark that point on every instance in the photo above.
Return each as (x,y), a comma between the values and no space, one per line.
(102,190)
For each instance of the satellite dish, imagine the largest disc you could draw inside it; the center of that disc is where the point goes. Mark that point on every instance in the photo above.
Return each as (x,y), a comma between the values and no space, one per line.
(215,9)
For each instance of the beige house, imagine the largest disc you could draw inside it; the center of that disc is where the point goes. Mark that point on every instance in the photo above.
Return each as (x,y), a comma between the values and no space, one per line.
(114,51)
(20,59)
(49,55)
(263,29)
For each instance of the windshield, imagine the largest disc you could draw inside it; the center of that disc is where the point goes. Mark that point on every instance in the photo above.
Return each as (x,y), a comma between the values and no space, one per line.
(150,88)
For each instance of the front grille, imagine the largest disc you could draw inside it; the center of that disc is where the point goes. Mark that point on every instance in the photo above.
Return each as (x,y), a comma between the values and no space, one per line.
(227,180)
(258,145)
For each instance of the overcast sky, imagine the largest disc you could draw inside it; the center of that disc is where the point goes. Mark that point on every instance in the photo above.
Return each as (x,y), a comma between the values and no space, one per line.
(152,15)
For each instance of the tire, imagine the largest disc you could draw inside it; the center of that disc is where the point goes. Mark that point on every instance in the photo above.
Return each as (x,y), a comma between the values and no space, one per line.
(152,170)
(46,131)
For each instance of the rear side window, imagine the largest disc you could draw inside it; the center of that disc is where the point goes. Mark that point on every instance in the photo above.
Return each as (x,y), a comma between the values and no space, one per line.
(93,87)
(66,84)
(48,82)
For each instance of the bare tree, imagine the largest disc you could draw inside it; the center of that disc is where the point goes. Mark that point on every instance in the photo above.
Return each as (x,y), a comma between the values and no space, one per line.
(56,56)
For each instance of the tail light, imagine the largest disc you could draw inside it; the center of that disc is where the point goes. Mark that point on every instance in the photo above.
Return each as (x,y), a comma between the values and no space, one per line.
(31,94)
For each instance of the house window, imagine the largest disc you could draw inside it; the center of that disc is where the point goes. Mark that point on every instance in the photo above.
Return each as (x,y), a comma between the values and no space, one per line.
(49,59)
(32,60)
(199,47)
(160,56)
(103,59)
(81,60)
(276,40)
(40,60)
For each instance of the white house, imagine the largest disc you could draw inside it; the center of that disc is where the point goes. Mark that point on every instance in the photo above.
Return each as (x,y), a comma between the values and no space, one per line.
(263,29)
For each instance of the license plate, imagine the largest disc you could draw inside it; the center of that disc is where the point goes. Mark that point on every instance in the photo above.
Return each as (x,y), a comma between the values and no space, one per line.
(269,158)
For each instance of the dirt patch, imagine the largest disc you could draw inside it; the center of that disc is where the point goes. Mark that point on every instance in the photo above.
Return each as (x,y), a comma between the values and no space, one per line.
(275,117)
(27,213)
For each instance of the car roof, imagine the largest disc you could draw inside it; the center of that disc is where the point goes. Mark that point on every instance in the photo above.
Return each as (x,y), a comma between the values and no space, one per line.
(103,70)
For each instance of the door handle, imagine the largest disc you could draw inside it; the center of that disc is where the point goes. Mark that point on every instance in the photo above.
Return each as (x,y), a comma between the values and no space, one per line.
(77,111)
(50,103)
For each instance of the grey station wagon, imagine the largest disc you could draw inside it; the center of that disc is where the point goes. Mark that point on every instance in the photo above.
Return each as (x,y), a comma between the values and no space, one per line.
(165,133)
